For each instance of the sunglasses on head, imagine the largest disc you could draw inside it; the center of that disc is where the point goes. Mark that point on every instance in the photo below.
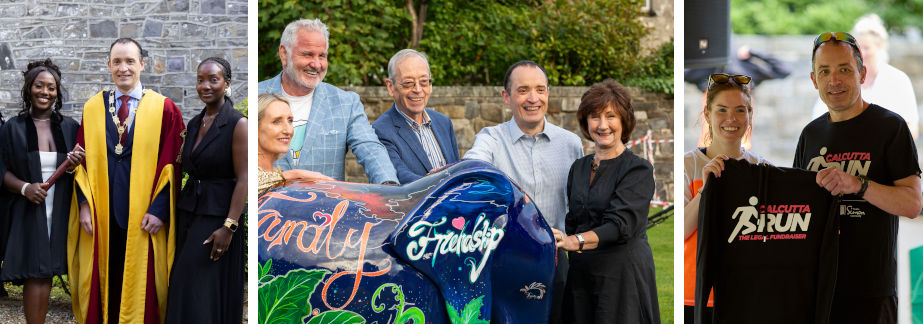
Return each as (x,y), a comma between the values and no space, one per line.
(722,78)
(835,36)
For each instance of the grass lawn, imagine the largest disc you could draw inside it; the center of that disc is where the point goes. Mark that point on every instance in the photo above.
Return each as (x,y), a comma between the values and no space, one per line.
(660,238)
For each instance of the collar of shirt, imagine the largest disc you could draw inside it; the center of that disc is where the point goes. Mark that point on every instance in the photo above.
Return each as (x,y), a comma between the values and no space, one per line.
(134,94)
(517,134)
(413,123)
(133,102)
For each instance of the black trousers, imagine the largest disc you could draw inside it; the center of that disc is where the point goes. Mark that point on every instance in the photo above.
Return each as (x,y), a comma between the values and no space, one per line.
(117,237)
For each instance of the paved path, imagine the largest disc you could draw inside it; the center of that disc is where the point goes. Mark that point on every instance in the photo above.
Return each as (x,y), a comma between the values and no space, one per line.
(59,307)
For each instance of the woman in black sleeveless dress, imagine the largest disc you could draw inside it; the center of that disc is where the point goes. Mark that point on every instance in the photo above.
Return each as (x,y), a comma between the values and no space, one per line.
(207,280)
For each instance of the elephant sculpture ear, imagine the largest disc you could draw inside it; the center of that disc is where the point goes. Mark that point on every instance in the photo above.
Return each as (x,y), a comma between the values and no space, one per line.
(453,236)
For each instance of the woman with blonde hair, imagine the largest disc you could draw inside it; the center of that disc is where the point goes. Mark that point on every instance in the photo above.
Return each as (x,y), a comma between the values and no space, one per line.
(275,132)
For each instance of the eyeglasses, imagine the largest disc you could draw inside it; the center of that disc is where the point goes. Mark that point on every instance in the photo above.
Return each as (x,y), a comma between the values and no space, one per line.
(722,78)
(835,36)
(410,84)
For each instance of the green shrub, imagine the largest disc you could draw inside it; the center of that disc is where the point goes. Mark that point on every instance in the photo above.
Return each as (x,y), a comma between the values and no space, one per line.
(579,42)
(794,17)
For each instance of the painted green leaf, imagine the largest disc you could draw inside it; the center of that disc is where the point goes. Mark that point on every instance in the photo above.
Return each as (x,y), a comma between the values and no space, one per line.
(454,317)
(337,317)
(264,268)
(265,279)
(472,312)
(284,299)
(264,273)
(470,315)
(413,314)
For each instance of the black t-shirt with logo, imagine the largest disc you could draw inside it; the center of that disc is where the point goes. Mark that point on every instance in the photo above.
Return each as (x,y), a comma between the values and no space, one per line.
(877,144)
(767,244)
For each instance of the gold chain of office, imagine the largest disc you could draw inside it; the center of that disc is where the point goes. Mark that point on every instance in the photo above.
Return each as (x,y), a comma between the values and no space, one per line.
(120,126)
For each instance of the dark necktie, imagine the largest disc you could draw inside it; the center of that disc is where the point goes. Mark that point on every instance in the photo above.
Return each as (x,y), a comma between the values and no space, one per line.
(123,110)
(123,114)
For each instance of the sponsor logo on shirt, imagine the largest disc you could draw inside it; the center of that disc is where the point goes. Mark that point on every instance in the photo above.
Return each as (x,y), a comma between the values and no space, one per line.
(853,163)
(848,210)
(758,222)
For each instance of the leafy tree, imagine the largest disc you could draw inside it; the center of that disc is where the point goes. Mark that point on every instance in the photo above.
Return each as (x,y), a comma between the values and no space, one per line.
(363,34)
(581,42)
(794,17)
(899,14)
(473,42)
(655,72)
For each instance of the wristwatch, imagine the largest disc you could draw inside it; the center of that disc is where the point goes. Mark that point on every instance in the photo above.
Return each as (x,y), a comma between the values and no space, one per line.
(865,185)
(230,224)
(581,241)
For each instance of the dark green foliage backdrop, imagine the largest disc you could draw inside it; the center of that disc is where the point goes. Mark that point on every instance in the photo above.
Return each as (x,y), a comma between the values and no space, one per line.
(809,17)
(473,42)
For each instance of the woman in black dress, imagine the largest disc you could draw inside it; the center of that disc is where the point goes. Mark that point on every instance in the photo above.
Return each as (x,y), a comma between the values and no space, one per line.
(611,275)
(207,280)
(35,143)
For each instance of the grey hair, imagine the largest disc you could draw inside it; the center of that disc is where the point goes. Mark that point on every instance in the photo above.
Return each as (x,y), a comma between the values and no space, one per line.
(400,56)
(288,35)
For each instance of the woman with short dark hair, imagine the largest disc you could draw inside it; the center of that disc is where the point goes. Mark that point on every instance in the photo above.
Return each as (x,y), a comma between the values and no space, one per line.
(207,280)
(611,276)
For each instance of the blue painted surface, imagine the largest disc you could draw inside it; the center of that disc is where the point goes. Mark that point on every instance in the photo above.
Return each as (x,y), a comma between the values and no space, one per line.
(461,245)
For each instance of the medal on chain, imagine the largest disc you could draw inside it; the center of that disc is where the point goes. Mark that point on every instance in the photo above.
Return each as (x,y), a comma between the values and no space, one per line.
(120,127)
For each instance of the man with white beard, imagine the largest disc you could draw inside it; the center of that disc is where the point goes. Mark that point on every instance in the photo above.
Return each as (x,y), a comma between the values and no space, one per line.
(328,120)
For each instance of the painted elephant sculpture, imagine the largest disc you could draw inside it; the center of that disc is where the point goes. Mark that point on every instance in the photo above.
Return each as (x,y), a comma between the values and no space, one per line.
(462,245)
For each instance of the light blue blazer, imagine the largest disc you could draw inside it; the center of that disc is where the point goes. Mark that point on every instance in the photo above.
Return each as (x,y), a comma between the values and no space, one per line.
(337,122)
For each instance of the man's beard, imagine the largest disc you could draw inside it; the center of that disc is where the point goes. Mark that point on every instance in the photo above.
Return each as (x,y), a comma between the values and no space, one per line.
(293,76)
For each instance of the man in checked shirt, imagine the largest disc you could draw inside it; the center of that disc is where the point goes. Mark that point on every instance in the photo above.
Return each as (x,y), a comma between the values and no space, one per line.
(534,153)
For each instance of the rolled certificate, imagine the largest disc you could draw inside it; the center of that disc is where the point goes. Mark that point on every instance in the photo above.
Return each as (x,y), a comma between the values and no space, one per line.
(61,169)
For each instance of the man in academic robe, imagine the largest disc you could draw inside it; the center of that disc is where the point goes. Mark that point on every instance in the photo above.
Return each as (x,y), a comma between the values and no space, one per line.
(121,237)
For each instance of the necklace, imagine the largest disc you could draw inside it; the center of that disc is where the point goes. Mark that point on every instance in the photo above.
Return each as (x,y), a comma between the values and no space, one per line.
(115,119)
(40,119)
(206,120)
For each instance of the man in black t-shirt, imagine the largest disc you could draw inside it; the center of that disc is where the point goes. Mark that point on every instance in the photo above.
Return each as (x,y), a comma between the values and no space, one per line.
(866,153)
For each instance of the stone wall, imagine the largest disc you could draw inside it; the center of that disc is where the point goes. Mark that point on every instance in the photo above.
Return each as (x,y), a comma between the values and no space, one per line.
(76,35)
(659,17)
(473,108)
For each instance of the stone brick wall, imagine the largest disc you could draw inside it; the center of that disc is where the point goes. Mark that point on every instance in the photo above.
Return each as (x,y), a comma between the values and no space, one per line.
(659,17)
(473,108)
(76,35)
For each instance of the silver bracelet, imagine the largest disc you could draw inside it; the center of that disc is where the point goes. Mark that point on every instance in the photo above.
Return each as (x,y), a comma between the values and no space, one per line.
(23,190)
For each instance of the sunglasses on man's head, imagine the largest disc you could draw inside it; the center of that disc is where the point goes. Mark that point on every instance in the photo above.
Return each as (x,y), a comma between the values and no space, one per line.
(835,36)
(722,78)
